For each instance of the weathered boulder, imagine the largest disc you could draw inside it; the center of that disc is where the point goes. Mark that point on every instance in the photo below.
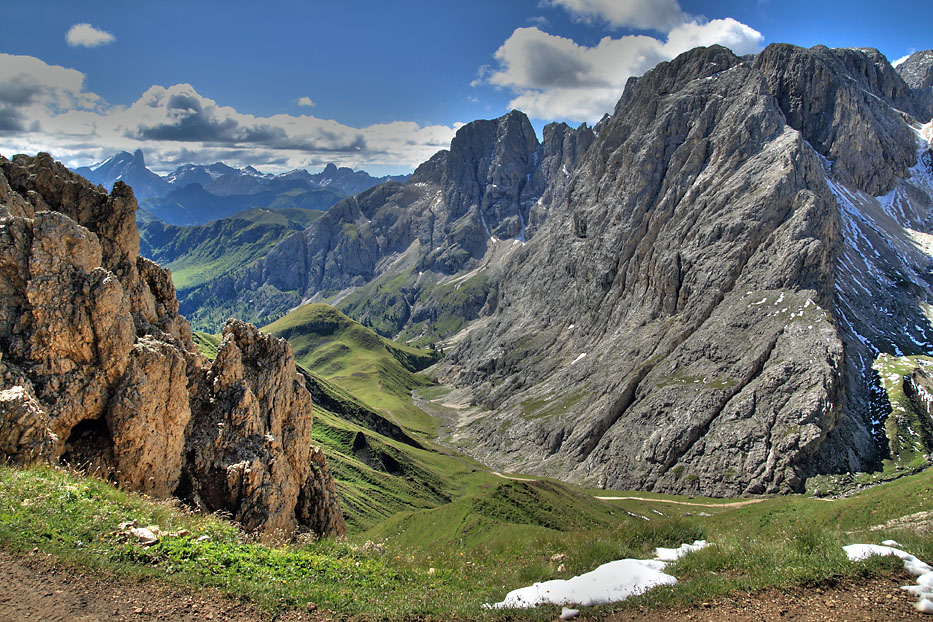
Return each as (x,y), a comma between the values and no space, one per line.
(24,427)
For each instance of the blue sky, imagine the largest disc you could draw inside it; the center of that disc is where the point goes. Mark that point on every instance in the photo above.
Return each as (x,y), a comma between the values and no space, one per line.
(390,82)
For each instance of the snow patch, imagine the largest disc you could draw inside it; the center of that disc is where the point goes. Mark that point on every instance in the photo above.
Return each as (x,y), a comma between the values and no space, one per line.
(578,359)
(923,571)
(609,583)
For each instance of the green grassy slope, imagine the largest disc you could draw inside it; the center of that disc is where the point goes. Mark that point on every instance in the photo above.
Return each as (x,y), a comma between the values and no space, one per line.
(475,549)
(379,373)
(199,254)
(444,307)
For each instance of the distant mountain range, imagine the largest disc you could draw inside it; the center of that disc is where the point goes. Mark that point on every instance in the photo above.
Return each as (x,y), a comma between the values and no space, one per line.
(194,194)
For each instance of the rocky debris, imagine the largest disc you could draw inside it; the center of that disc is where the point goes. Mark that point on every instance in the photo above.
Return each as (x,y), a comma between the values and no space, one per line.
(98,369)
(673,325)
(150,534)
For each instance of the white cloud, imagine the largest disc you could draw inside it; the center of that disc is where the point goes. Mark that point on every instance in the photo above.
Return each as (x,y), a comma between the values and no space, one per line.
(556,78)
(727,32)
(900,60)
(85,35)
(31,91)
(660,15)
(46,108)
(305,101)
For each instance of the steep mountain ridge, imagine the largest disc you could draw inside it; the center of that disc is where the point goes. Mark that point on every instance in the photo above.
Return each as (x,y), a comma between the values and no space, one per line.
(131,170)
(463,209)
(694,332)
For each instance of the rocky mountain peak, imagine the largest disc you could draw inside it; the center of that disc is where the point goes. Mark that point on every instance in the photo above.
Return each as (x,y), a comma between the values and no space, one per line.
(648,335)
(917,70)
(840,102)
(488,164)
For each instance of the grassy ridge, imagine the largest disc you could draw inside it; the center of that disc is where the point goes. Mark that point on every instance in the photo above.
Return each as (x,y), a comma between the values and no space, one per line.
(446,307)
(199,254)
(379,373)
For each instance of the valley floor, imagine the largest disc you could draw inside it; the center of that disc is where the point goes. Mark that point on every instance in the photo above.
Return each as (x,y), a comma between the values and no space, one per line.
(36,588)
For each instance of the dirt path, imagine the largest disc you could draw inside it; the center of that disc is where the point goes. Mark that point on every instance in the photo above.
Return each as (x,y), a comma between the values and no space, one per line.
(34,587)
(731,504)
(514,479)
(851,600)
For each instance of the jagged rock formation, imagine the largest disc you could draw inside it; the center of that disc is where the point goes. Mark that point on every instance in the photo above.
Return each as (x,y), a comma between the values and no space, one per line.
(917,72)
(98,368)
(696,315)
(252,407)
(446,218)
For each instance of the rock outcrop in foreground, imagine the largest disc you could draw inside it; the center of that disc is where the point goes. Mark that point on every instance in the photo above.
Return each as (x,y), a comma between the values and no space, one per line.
(98,369)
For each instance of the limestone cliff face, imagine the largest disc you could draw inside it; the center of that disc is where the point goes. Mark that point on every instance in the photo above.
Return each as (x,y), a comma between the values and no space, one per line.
(98,368)
(917,72)
(688,318)
(493,184)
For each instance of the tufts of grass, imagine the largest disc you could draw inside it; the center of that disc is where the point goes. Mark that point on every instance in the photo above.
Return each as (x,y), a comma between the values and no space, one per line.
(444,562)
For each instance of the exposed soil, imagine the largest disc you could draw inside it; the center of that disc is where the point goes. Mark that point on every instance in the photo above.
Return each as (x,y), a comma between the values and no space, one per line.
(851,600)
(34,587)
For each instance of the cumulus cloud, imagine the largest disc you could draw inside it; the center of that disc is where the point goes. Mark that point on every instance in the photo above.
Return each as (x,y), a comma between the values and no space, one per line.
(85,35)
(305,101)
(901,60)
(46,108)
(31,91)
(556,78)
(660,15)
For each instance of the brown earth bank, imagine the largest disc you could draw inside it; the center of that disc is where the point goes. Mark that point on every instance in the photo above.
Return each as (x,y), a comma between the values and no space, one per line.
(848,600)
(36,587)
